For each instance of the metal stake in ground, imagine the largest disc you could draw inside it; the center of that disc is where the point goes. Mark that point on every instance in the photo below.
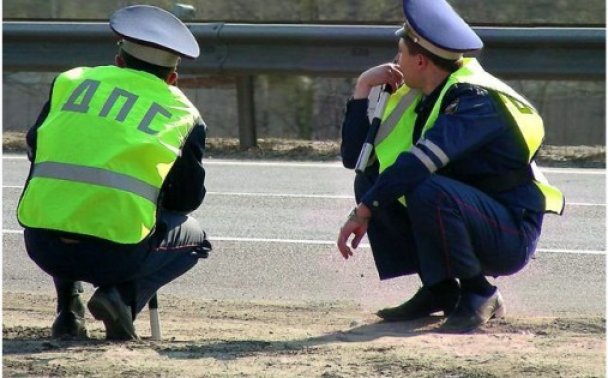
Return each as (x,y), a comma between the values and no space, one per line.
(154,318)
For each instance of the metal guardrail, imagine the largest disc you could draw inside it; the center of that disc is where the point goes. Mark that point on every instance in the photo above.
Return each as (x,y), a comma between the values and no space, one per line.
(523,53)
(245,50)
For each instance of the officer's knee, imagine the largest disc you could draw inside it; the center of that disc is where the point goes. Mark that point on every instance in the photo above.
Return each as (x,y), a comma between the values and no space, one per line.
(426,190)
(427,193)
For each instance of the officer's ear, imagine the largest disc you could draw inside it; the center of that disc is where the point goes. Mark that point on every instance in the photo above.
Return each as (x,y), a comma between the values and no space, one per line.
(172,78)
(421,61)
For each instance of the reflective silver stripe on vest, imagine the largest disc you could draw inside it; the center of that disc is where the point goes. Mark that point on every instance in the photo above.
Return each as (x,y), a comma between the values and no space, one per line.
(436,150)
(96,176)
(427,161)
(393,119)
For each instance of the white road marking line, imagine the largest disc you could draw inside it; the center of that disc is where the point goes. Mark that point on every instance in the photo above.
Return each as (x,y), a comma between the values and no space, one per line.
(584,204)
(14,157)
(333,243)
(253,194)
(284,241)
(338,164)
(576,171)
(574,251)
(260,163)
(301,195)
(291,164)
(286,195)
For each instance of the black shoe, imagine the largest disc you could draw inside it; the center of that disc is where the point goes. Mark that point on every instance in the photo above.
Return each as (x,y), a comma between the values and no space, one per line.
(70,323)
(421,305)
(474,311)
(107,305)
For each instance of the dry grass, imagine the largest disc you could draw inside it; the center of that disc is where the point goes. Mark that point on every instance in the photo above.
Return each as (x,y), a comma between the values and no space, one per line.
(287,149)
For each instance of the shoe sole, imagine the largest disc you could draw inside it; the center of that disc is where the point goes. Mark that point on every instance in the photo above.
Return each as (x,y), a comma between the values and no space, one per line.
(396,318)
(101,309)
(500,313)
(394,315)
(80,335)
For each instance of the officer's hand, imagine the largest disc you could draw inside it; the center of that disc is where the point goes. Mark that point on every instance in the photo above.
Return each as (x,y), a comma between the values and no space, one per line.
(355,225)
(388,73)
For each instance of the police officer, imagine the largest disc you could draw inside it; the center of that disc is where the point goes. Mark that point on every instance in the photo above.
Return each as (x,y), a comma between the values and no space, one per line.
(116,167)
(453,194)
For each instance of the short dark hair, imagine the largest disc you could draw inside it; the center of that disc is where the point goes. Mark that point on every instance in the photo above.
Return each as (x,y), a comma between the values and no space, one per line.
(445,64)
(138,64)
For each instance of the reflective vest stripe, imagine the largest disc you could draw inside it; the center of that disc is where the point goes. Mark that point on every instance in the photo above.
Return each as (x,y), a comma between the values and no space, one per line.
(436,150)
(424,159)
(393,119)
(96,176)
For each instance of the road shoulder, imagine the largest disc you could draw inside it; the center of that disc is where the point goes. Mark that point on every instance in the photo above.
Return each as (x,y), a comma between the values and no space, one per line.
(236,338)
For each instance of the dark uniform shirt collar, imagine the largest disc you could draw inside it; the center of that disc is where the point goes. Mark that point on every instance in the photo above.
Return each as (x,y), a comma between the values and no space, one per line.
(423,110)
(427,102)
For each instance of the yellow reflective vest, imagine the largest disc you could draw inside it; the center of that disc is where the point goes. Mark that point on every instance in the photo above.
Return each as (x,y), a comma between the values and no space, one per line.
(396,130)
(103,152)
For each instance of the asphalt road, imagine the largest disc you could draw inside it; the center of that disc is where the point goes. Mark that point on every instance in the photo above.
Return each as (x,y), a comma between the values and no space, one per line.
(274,225)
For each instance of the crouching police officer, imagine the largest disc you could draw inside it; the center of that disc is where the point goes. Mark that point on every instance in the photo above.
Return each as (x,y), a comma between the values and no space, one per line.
(454,194)
(116,158)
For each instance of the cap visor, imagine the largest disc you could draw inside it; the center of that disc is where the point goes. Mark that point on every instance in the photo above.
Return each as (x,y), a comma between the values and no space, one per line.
(400,32)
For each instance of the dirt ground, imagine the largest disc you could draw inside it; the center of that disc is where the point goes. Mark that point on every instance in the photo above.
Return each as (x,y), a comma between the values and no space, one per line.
(243,339)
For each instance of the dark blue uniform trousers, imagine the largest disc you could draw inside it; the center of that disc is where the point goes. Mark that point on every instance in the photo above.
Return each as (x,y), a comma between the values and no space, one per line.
(448,230)
(138,271)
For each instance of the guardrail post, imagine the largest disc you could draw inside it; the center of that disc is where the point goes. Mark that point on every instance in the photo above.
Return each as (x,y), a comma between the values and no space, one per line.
(246,109)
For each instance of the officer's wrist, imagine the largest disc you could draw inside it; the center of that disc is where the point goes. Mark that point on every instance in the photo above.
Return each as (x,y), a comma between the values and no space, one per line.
(362,90)
(360,214)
